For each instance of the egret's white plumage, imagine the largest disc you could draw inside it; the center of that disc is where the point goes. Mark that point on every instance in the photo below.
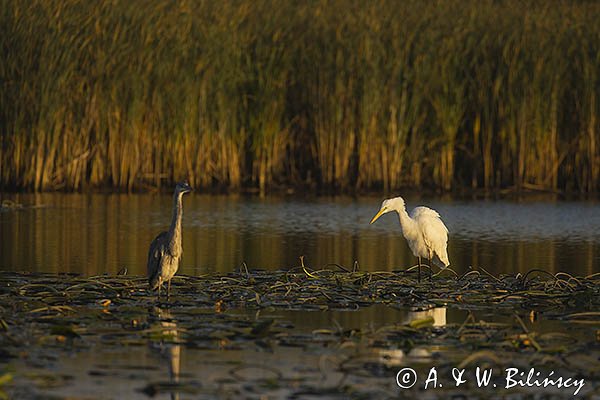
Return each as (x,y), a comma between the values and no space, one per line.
(423,229)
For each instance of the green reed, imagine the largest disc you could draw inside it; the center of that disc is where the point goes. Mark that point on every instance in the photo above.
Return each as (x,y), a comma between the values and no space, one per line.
(345,94)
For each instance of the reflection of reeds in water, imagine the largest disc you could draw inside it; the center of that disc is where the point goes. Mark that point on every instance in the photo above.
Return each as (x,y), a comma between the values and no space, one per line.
(117,229)
(358,95)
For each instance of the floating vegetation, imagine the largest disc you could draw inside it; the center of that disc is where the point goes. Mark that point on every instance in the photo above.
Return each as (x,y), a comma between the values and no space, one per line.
(9,205)
(493,323)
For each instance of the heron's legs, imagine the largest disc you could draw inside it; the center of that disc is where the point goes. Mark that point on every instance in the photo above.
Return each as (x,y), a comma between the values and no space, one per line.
(419,275)
(159,285)
(168,290)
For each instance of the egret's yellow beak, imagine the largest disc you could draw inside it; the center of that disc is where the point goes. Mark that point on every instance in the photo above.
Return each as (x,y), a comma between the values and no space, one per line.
(379,214)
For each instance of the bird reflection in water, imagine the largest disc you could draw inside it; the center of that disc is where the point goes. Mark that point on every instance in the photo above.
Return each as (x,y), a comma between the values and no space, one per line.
(167,346)
(396,357)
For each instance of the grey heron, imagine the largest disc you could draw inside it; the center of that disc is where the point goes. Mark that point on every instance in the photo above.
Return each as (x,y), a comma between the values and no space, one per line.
(165,250)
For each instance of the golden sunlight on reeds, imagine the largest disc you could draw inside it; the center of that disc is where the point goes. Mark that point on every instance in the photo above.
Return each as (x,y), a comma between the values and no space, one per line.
(344,95)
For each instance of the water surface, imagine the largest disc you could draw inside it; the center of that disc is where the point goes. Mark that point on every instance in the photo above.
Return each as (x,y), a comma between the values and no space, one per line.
(102,233)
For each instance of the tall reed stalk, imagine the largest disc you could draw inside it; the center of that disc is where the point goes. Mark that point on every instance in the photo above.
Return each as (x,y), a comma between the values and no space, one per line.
(345,94)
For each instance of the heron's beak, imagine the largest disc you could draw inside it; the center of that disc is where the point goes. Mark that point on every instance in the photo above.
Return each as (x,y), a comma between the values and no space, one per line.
(379,214)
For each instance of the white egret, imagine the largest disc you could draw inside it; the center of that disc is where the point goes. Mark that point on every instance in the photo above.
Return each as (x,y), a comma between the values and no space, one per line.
(426,234)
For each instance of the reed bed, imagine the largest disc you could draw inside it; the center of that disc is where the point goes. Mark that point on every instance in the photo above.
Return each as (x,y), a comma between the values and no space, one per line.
(344,95)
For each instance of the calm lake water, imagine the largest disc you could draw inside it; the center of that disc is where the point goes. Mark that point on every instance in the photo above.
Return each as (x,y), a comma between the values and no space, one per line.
(131,348)
(97,233)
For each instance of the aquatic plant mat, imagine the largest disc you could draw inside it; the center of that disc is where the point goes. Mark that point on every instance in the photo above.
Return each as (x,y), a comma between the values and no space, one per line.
(296,334)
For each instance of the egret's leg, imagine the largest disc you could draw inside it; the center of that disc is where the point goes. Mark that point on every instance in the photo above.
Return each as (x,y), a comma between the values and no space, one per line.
(430,268)
(159,285)
(419,275)
(168,290)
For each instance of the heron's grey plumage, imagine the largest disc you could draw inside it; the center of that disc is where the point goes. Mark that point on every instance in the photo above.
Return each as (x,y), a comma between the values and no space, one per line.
(165,250)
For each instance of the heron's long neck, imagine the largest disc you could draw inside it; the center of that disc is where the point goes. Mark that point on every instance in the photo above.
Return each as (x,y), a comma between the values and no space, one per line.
(175,230)
(409,226)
